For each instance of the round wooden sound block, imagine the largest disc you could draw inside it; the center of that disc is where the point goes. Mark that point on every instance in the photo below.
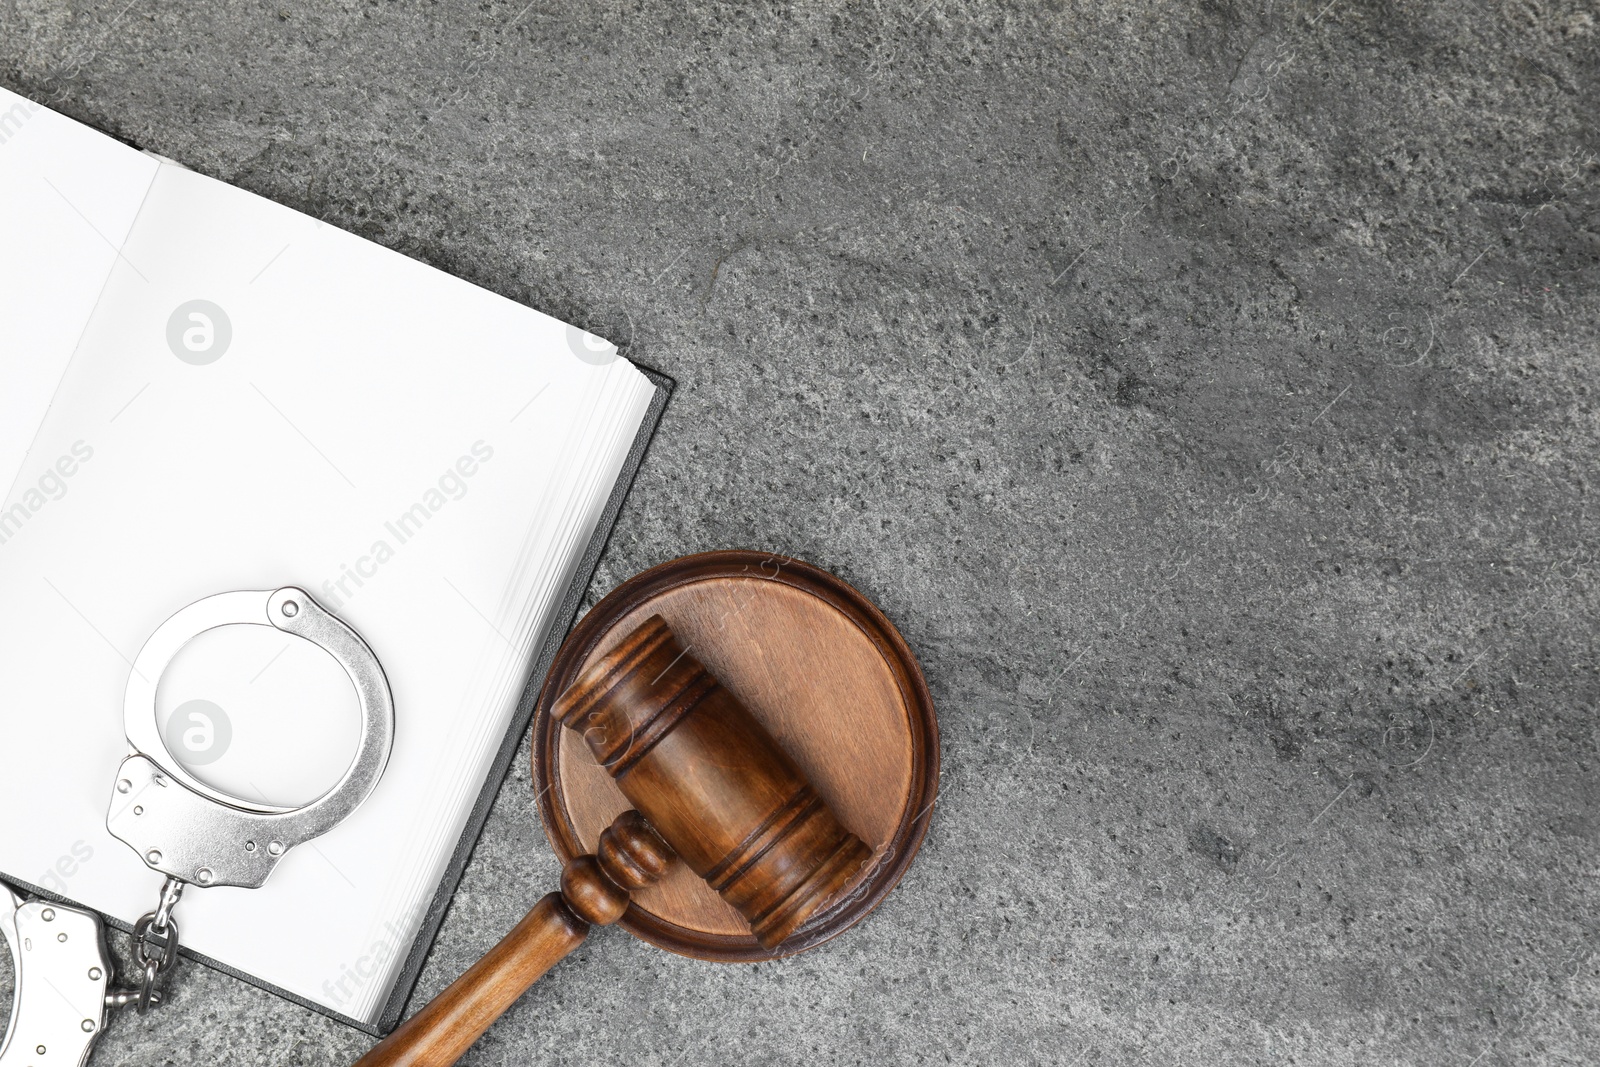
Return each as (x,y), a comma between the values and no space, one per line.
(828,676)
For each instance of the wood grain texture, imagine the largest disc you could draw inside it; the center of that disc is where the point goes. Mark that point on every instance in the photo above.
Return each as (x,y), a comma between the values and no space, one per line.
(827,676)
(594,891)
(711,781)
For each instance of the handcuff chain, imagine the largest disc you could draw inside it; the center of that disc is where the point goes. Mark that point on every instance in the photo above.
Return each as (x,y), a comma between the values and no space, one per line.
(160,925)
(171,893)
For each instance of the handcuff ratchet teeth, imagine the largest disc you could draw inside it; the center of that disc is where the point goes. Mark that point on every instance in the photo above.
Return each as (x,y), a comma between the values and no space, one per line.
(181,827)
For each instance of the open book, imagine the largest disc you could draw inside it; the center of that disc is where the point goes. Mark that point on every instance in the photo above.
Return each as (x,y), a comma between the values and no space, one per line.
(202,391)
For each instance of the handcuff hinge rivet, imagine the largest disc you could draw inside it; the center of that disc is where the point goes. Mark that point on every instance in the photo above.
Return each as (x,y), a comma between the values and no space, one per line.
(123,785)
(48,914)
(88,1026)
(153,856)
(275,847)
(94,974)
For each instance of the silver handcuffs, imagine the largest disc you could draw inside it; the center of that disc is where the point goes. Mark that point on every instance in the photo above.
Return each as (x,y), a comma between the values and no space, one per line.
(178,825)
(63,971)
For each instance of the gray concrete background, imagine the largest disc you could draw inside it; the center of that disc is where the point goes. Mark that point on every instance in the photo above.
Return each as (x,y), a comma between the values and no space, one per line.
(1208,393)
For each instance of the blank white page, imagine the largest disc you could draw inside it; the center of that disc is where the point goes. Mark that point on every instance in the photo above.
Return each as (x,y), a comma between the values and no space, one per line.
(68,197)
(328,446)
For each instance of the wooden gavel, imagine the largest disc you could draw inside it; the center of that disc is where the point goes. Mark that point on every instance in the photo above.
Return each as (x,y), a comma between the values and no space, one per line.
(709,785)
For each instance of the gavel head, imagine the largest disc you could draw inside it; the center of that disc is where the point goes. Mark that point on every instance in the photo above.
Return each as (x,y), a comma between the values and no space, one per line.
(712,782)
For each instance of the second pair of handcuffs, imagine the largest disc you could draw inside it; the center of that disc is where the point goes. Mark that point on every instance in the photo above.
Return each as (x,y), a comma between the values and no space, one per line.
(181,827)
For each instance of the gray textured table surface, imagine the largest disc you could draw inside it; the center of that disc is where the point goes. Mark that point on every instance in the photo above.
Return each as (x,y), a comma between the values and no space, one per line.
(1207,393)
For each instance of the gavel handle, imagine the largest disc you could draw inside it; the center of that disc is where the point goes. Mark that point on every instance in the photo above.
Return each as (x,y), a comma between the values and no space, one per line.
(594,892)
(441,1033)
